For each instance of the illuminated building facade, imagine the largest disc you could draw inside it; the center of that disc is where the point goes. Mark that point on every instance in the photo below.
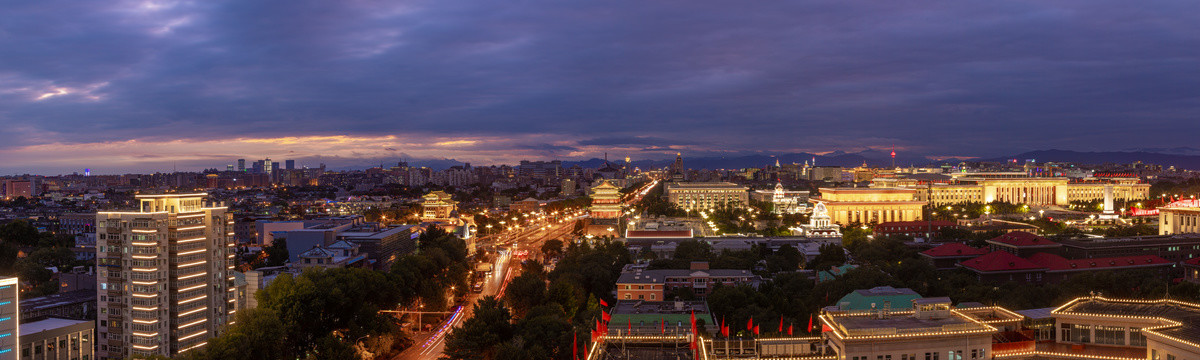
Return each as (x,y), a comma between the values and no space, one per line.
(437,205)
(10,315)
(1178,219)
(165,280)
(870,205)
(783,201)
(1016,188)
(931,331)
(707,195)
(606,201)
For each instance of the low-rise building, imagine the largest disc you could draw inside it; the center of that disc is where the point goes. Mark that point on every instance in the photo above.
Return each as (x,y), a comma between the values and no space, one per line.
(1023,244)
(654,285)
(877,298)
(55,338)
(871,205)
(706,195)
(932,331)
(947,256)
(1002,266)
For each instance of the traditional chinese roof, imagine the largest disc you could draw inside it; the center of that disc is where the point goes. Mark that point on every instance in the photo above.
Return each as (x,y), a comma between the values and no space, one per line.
(953,250)
(1000,261)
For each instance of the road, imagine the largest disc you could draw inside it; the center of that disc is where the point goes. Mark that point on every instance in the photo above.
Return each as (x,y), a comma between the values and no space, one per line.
(429,346)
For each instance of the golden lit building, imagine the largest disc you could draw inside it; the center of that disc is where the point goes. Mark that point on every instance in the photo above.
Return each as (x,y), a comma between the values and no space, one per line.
(165,281)
(1178,219)
(707,195)
(932,330)
(606,201)
(1016,188)
(437,205)
(871,205)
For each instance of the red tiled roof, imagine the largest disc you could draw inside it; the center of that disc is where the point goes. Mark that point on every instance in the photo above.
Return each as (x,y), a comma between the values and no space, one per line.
(1021,238)
(1000,261)
(1059,263)
(1193,261)
(954,250)
(658,234)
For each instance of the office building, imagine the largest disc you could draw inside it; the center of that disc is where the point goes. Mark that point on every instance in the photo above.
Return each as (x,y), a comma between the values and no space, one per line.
(241,166)
(165,276)
(291,164)
(707,195)
(55,338)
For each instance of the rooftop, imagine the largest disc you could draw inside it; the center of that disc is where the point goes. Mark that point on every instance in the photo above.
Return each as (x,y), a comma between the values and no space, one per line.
(1058,263)
(1183,319)
(59,299)
(660,275)
(898,324)
(31,328)
(1000,261)
(1023,239)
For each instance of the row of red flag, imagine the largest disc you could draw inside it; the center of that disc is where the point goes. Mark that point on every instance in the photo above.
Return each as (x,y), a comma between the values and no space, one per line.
(750,326)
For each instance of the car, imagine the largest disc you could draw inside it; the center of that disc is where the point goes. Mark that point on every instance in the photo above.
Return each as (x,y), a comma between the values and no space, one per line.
(478,287)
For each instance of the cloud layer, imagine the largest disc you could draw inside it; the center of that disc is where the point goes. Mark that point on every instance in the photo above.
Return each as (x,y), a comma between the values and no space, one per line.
(199,81)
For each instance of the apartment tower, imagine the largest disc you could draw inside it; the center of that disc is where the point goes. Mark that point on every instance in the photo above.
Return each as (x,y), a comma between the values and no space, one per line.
(165,276)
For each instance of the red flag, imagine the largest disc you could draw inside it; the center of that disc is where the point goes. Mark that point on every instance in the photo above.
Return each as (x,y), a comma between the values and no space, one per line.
(750,324)
(725,331)
(574,346)
(781,324)
(604,315)
(755,329)
(603,303)
(790,329)
(630,325)
(693,319)
(663,327)
(722,327)
(810,325)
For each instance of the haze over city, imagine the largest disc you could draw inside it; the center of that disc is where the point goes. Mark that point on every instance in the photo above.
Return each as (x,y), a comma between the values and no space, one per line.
(122,86)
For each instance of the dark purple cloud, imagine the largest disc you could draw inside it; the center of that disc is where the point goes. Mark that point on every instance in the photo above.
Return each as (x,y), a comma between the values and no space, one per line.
(956,78)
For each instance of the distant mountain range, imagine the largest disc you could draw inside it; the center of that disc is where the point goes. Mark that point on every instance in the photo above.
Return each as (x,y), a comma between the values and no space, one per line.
(1181,157)
(882,158)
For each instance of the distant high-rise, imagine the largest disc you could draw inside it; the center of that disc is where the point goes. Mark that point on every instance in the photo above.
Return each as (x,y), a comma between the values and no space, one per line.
(165,276)
(268,165)
(677,168)
(241,165)
(291,164)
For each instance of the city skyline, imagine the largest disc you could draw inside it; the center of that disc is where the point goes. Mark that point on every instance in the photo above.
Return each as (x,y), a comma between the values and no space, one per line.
(148,85)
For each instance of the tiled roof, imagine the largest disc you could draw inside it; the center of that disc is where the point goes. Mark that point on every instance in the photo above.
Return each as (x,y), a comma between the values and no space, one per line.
(1000,261)
(953,250)
(1021,239)
(1059,263)
(1193,261)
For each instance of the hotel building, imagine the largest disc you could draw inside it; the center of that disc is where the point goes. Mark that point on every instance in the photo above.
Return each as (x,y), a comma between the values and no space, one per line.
(707,195)
(164,276)
(870,205)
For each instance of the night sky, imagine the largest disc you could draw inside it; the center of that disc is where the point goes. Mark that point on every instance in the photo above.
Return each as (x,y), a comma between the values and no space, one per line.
(123,86)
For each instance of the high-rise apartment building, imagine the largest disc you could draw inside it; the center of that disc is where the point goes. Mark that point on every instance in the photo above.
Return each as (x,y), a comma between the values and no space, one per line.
(241,165)
(9,317)
(165,276)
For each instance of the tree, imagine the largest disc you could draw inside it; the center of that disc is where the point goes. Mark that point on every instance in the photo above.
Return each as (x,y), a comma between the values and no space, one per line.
(478,336)
(524,292)
(277,253)
(693,250)
(19,232)
(829,255)
(255,336)
(552,248)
